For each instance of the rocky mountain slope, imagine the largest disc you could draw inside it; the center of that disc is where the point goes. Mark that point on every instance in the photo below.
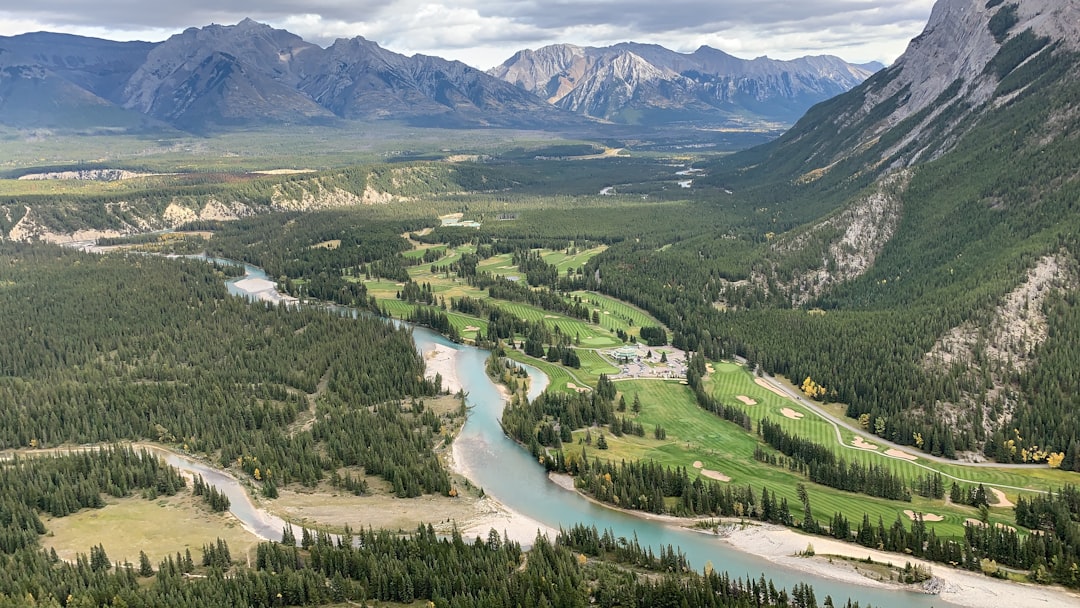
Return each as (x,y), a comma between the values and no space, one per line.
(640,83)
(33,94)
(945,192)
(249,73)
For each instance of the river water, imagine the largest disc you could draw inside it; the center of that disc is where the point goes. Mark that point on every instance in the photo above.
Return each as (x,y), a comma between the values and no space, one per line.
(508,472)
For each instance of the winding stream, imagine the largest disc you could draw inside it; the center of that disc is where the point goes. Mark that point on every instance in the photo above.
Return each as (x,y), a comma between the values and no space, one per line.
(508,473)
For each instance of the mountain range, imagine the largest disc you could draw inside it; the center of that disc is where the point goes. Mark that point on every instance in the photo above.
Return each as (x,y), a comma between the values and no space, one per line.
(215,77)
(633,83)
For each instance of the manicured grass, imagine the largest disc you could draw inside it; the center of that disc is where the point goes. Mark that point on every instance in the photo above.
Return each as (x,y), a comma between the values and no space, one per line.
(558,376)
(730,380)
(420,251)
(616,314)
(694,434)
(502,265)
(594,364)
(560,260)
(400,309)
(589,335)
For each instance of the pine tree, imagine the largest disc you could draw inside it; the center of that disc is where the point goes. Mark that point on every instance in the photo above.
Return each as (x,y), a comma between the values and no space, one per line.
(145,567)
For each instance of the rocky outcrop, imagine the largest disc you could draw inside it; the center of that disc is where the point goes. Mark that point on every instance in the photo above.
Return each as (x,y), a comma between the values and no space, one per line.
(849,241)
(221,76)
(995,351)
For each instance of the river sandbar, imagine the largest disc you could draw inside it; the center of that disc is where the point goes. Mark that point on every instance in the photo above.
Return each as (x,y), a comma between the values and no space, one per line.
(442,360)
(781,546)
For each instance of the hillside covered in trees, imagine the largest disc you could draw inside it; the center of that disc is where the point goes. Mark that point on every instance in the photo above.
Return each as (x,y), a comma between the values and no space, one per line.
(109,348)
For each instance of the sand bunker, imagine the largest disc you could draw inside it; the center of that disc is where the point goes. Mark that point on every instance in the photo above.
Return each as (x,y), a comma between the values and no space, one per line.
(1002,500)
(550,317)
(898,454)
(574,387)
(765,385)
(925,516)
(790,413)
(717,475)
(863,444)
(746,400)
(471,328)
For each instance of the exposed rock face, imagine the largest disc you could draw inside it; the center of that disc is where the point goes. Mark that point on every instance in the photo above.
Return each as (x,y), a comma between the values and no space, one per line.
(850,240)
(551,72)
(357,78)
(1002,347)
(621,81)
(94,175)
(946,68)
(224,75)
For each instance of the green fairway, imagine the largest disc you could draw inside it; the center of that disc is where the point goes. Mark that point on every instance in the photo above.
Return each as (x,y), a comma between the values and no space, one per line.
(616,314)
(730,380)
(694,434)
(564,261)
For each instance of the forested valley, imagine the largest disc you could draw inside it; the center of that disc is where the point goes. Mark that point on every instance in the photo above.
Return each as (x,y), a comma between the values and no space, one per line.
(110,348)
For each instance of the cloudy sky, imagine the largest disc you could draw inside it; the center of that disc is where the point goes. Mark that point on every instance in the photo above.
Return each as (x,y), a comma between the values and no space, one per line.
(484,33)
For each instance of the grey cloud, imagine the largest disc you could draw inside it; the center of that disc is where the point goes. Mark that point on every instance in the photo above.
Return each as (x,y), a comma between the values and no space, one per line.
(135,14)
(652,16)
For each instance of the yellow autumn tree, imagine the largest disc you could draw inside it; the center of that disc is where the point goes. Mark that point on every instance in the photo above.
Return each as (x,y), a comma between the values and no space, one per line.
(1054,460)
(812,389)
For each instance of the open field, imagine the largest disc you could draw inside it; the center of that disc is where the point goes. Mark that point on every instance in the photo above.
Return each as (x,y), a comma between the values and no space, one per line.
(694,434)
(617,315)
(159,527)
(262,148)
(331,508)
(590,335)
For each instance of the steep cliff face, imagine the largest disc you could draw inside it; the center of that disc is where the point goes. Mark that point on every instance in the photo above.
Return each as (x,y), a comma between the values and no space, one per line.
(629,81)
(551,72)
(972,53)
(221,75)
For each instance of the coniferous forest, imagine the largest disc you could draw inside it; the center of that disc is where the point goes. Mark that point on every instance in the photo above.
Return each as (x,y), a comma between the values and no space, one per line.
(365,566)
